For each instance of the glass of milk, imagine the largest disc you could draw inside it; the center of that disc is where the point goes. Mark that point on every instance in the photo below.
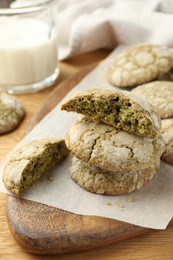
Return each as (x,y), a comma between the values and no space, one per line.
(28,45)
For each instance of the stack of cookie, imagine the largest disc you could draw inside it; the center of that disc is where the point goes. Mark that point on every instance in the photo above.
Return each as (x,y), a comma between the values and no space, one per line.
(116,144)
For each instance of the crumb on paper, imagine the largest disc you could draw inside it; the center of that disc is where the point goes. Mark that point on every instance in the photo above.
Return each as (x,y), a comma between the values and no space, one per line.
(108,203)
(121,206)
(131,199)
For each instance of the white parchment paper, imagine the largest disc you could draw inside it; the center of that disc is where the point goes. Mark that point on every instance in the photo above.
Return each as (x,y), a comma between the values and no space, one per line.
(151,207)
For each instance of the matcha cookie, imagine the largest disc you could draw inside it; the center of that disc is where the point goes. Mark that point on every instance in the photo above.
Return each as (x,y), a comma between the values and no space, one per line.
(100,181)
(121,109)
(11,113)
(30,161)
(159,94)
(140,64)
(167,133)
(111,149)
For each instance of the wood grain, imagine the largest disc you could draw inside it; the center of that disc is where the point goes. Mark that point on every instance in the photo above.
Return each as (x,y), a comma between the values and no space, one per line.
(42,229)
(155,245)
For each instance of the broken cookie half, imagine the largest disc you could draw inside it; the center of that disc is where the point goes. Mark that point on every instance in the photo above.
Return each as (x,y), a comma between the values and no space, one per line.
(30,162)
(120,109)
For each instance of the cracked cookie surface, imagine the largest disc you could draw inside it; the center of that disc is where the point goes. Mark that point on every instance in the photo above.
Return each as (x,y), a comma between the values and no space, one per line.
(11,113)
(159,94)
(30,161)
(140,64)
(111,149)
(97,180)
(119,108)
(167,134)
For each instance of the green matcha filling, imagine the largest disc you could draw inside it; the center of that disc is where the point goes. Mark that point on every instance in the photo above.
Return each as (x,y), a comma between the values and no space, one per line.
(118,112)
(40,164)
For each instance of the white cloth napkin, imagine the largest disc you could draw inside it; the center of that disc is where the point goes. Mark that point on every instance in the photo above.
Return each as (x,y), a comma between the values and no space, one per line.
(94,24)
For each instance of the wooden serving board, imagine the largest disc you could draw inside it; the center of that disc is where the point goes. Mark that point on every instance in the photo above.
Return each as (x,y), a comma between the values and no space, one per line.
(43,229)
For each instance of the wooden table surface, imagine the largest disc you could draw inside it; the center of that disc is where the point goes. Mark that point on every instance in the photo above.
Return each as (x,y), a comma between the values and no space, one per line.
(155,245)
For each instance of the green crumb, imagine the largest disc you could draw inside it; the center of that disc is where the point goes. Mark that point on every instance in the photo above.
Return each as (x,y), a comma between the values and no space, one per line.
(119,205)
(108,203)
(131,199)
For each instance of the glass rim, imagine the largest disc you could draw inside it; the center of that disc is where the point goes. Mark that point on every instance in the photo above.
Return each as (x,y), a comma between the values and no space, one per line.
(35,7)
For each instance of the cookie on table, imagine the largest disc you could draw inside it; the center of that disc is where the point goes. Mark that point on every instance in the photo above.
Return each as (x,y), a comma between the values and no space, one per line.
(31,161)
(167,134)
(159,94)
(119,108)
(11,113)
(111,149)
(97,180)
(140,64)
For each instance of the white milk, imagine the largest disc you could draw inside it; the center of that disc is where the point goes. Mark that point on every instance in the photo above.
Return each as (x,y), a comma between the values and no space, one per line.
(28,53)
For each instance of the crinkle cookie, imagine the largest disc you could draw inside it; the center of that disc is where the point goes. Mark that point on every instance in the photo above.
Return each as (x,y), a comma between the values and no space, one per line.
(111,149)
(140,64)
(167,134)
(100,181)
(159,94)
(121,109)
(11,113)
(31,161)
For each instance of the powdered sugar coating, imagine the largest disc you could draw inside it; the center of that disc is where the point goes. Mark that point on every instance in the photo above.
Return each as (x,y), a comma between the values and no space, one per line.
(97,180)
(111,149)
(11,113)
(30,161)
(159,94)
(140,64)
